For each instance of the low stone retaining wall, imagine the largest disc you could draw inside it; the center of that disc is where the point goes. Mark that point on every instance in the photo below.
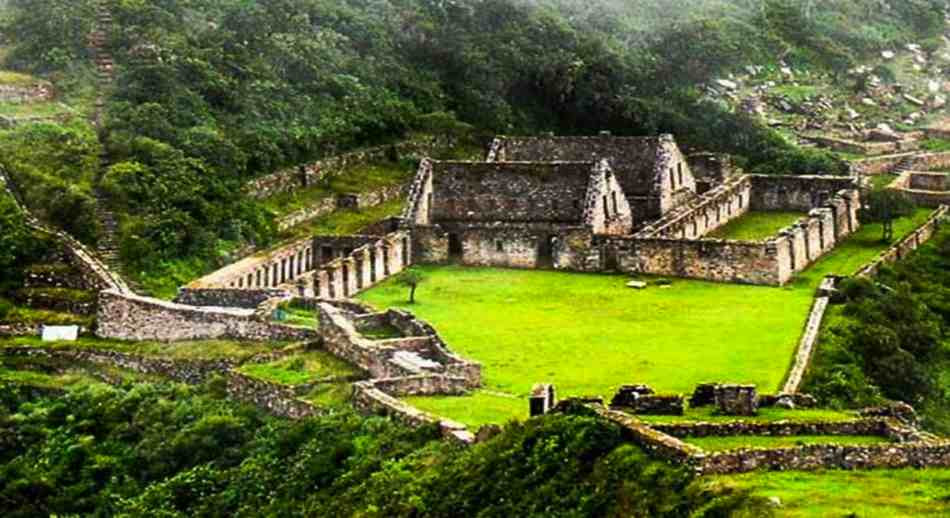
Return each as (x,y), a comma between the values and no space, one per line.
(864,148)
(35,93)
(806,345)
(924,189)
(818,457)
(299,177)
(186,371)
(278,400)
(369,397)
(228,298)
(905,246)
(19,330)
(879,165)
(132,317)
(328,205)
(870,427)
(274,398)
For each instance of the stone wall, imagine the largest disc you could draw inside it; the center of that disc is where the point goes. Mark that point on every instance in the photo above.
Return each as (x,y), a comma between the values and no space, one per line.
(802,193)
(323,266)
(368,398)
(907,245)
(267,269)
(295,178)
(363,267)
(35,93)
(930,161)
(809,338)
(132,317)
(329,205)
(426,354)
(606,209)
(227,297)
(823,456)
(185,371)
(674,245)
(272,397)
(553,192)
(880,165)
(709,259)
(924,189)
(864,148)
(704,214)
(651,170)
(877,427)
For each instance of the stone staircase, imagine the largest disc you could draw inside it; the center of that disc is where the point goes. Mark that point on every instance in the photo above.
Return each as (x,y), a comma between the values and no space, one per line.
(108,247)
(906,164)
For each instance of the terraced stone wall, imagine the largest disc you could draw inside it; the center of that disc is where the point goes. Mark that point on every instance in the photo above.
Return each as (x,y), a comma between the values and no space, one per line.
(132,317)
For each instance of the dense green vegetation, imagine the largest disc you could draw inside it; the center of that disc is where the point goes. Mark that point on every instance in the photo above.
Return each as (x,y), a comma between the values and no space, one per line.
(168,450)
(755,226)
(888,338)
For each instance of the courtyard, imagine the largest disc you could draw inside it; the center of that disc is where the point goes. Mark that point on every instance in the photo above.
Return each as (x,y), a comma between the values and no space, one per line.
(588,333)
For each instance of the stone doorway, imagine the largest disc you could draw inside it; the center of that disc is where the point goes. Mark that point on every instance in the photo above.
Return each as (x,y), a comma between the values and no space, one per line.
(546,251)
(455,247)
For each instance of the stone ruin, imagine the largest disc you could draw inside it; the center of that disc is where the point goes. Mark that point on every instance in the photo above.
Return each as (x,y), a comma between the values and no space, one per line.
(543,399)
(628,204)
(739,400)
(640,399)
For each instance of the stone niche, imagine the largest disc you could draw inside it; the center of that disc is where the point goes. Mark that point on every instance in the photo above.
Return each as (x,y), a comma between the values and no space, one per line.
(738,400)
(543,399)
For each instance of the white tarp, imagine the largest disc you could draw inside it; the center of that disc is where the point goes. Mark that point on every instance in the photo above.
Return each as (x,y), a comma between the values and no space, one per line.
(57,333)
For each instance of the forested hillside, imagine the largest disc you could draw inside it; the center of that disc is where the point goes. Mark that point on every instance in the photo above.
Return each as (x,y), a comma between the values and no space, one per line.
(209,93)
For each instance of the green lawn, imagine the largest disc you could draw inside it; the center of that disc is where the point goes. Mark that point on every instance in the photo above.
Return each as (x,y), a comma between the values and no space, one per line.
(756,226)
(589,334)
(303,367)
(766,415)
(736,442)
(902,493)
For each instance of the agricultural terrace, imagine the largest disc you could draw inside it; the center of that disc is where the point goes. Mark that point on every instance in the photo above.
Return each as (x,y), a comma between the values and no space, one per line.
(756,226)
(589,334)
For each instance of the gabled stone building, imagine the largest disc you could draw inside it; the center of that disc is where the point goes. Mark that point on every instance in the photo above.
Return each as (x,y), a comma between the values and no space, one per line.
(652,171)
(515,214)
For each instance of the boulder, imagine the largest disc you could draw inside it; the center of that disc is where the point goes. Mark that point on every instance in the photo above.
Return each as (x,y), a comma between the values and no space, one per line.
(884,133)
(637,285)
(867,101)
(939,101)
(727,84)
(887,54)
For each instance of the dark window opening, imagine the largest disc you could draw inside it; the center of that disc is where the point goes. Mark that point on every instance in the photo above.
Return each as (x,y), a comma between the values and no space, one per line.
(499,246)
(606,208)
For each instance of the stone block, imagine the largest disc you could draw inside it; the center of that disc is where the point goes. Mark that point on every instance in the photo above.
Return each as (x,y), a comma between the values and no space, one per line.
(740,400)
